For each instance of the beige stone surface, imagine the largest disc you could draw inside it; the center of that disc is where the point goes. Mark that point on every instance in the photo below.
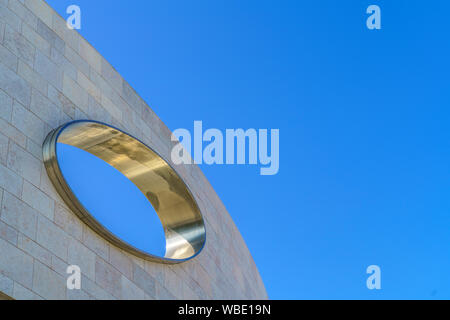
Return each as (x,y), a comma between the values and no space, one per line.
(38,200)
(82,256)
(10,181)
(8,233)
(18,215)
(22,293)
(50,75)
(47,283)
(53,238)
(19,45)
(35,250)
(6,286)
(16,264)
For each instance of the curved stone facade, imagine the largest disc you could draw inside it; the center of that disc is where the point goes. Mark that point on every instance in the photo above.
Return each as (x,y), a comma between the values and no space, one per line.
(50,75)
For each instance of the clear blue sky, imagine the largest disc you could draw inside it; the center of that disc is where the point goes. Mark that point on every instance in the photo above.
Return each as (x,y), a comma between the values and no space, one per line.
(364,119)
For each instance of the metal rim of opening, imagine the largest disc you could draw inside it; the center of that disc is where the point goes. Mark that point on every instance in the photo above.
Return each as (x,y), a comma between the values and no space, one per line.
(170,196)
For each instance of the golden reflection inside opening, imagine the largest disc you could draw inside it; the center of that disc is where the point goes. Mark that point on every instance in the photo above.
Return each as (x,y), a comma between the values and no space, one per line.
(179,213)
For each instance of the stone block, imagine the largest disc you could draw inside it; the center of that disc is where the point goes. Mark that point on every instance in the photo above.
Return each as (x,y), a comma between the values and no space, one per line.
(16,264)
(47,283)
(19,215)
(108,278)
(50,36)
(10,181)
(67,67)
(59,266)
(34,148)
(105,88)
(52,238)
(5,106)
(15,135)
(24,164)
(132,98)
(22,293)
(162,293)
(121,262)
(69,222)
(14,85)
(61,101)
(111,108)
(7,233)
(77,61)
(90,88)
(70,37)
(97,112)
(95,290)
(36,39)
(47,187)
(48,70)
(83,257)
(156,270)
(32,77)
(129,290)
(80,115)
(150,118)
(4,143)
(6,15)
(145,281)
(18,45)
(90,55)
(2,31)
(23,13)
(34,250)
(47,110)
(75,93)
(189,294)
(28,123)
(172,282)
(8,58)
(95,243)
(78,295)
(111,76)
(6,285)
(38,200)
(41,10)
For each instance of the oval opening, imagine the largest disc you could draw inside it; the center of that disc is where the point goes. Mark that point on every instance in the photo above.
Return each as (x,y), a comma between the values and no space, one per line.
(112,199)
(124,191)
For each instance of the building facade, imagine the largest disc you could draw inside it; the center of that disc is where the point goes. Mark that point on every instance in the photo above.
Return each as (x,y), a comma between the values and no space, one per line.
(50,75)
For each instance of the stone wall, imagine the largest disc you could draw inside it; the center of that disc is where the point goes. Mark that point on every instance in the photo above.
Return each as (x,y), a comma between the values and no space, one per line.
(50,75)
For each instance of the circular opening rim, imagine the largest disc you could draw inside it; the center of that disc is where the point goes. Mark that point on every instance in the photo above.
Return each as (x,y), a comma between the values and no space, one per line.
(50,156)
